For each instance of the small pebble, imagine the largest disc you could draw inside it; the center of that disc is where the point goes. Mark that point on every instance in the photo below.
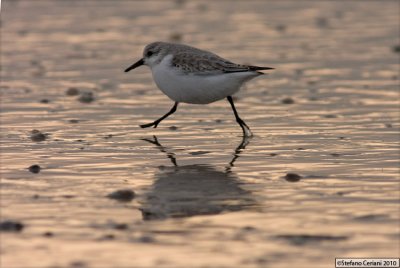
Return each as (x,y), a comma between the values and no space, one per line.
(287,100)
(292,177)
(388,125)
(34,169)
(311,82)
(281,28)
(248,228)
(124,195)
(396,49)
(78,264)
(44,101)
(173,127)
(48,234)
(120,226)
(72,91)
(335,154)
(86,97)
(107,237)
(74,121)
(273,154)
(330,116)
(146,239)
(11,226)
(36,135)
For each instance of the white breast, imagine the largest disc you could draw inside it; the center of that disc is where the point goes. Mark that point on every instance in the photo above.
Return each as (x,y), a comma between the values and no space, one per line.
(196,89)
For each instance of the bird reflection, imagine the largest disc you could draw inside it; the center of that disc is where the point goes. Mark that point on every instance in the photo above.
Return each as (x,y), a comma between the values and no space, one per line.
(184,191)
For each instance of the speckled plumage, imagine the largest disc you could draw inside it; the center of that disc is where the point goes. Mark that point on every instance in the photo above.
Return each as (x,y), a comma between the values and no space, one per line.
(197,61)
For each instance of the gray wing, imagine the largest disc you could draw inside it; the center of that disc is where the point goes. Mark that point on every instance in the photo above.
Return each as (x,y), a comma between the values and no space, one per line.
(209,63)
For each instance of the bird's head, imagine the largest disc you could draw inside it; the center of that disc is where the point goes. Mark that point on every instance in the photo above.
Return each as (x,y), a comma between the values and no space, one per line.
(152,54)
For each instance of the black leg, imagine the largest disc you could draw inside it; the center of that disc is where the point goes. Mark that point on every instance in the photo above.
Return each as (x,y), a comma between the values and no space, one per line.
(155,123)
(242,124)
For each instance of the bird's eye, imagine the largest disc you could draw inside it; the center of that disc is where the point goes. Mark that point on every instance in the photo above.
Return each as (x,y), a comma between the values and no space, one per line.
(149,53)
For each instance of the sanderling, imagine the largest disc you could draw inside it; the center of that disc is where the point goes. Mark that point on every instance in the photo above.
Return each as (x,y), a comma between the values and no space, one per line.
(191,75)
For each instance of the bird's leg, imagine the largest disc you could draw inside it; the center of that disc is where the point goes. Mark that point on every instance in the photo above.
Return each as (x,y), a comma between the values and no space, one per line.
(242,124)
(155,123)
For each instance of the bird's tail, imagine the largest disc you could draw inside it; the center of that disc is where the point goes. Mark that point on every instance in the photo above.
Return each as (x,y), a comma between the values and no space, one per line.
(259,68)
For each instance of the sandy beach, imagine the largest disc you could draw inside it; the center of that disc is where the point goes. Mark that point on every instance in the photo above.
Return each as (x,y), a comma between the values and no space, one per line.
(192,192)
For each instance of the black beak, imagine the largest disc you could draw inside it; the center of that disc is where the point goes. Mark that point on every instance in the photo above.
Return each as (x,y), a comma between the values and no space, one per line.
(135,65)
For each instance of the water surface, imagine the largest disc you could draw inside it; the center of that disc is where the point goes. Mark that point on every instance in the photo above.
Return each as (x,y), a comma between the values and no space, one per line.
(204,197)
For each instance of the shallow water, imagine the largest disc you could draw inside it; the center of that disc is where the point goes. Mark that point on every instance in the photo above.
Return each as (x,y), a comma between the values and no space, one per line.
(204,197)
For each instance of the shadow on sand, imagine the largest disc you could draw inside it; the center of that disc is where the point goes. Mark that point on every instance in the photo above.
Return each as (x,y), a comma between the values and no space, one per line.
(184,191)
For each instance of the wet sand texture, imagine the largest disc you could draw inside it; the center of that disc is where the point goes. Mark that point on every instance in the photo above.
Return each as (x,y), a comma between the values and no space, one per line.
(319,180)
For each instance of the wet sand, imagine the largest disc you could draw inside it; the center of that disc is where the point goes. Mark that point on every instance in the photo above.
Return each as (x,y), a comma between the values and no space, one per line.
(196,194)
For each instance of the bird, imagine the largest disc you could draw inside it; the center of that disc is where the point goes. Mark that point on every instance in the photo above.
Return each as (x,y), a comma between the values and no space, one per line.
(191,75)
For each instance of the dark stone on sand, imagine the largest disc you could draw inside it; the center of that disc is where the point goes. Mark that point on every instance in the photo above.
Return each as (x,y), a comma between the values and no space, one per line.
(109,136)
(152,215)
(72,91)
(120,226)
(388,125)
(44,101)
(396,49)
(107,237)
(173,127)
(34,169)
(302,239)
(273,154)
(249,228)
(280,28)
(48,234)
(287,100)
(11,226)
(73,121)
(36,135)
(292,177)
(78,264)
(86,97)
(372,217)
(311,82)
(330,116)
(123,195)
(146,239)
(335,155)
